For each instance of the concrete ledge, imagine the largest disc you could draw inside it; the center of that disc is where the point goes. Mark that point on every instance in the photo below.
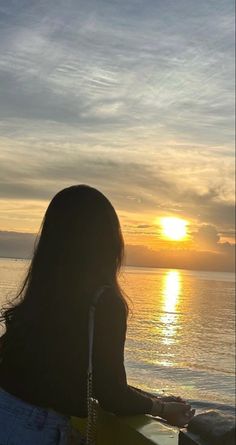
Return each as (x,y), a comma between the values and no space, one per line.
(138,430)
(135,430)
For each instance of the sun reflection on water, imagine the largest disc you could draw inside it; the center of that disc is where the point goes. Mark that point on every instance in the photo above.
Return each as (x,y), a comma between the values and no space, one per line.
(171,293)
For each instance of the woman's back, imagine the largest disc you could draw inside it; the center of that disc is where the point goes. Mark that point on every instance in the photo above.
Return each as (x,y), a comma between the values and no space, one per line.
(48,368)
(46,365)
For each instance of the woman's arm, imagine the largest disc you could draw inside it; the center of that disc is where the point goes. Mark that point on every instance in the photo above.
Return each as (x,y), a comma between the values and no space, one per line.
(111,388)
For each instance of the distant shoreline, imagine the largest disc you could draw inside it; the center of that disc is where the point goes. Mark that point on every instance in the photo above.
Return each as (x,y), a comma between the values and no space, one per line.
(141,267)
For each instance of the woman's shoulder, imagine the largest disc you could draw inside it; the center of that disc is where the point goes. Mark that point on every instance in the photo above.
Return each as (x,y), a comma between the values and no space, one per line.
(111,302)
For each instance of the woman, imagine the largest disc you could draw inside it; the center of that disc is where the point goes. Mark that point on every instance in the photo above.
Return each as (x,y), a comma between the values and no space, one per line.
(44,353)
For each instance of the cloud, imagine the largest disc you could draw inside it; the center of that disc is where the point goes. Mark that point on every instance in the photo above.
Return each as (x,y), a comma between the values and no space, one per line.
(207,236)
(20,245)
(140,255)
(132,181)
(16,245)
(124,64)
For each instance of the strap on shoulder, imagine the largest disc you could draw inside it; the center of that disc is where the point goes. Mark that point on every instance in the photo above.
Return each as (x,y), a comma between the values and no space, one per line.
(91,320)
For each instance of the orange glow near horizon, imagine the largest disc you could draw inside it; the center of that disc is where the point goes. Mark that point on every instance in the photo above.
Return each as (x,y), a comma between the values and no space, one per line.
(174,228)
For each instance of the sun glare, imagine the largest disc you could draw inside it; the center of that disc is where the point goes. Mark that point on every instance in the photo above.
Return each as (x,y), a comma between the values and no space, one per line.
(174,228)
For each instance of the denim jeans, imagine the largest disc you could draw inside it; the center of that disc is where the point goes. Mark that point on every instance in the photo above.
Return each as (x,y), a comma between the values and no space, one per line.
(24,424)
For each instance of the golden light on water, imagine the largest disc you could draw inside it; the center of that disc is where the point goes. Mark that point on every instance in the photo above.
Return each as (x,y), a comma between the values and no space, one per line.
(171,293)
(171,290)
(174,228)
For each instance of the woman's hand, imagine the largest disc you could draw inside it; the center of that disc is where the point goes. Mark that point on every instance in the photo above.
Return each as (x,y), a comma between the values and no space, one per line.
(178,414)
(171,398)
(175,413)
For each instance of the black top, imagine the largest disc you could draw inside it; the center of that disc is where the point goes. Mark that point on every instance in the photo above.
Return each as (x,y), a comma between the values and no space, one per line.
(49,369)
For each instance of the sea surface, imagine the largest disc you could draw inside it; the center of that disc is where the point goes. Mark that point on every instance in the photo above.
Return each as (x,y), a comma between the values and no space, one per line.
(180,337)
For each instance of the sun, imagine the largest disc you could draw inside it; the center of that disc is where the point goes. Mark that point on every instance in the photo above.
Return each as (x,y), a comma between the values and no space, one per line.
(174,228)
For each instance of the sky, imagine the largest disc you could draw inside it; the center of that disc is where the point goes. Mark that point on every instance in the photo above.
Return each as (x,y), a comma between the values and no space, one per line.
(133,97)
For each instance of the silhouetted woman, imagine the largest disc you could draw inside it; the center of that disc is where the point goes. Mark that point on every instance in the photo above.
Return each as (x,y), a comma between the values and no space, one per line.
(44,351)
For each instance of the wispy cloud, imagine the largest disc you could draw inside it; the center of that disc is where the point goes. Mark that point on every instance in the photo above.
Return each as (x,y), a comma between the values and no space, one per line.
(132,180)
(149,62)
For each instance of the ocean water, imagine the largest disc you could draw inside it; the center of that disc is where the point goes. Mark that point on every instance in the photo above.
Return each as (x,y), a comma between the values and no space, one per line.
(180,337)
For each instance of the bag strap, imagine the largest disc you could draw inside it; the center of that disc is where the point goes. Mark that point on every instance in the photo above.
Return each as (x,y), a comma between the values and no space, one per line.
(91,324)
(91,402)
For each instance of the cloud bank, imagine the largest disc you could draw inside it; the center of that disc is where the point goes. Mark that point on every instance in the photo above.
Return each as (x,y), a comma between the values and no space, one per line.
(210,255)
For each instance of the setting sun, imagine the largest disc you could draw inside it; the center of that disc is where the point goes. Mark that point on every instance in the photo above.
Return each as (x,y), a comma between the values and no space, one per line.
(174,228)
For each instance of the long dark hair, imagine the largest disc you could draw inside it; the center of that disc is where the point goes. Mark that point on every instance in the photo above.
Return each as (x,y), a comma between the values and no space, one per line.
(79,248)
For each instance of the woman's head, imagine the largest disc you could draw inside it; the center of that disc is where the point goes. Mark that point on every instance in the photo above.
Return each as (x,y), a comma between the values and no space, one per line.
(79,248)
(81,232)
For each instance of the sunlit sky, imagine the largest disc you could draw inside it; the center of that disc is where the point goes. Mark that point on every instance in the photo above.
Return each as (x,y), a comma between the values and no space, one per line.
(133,97)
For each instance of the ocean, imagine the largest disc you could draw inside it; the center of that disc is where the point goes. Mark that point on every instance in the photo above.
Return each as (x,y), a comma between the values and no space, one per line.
(180,337)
